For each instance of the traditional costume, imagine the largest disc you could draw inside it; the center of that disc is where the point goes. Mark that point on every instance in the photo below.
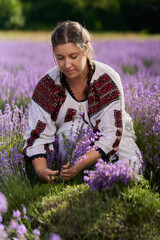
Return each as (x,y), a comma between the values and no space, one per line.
(51,114)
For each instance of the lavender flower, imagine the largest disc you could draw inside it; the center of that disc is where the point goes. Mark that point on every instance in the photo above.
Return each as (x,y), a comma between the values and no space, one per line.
(3,234)
(106,175)
(16,229)
(24,210)
(55,236)
(13,225)
(21,230)
(36,232)
(77,145)
(11,162)
(3,203)
(16,214)
(2,227)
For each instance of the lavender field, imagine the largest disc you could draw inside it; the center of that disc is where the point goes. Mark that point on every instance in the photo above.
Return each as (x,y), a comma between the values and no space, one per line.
(22,64)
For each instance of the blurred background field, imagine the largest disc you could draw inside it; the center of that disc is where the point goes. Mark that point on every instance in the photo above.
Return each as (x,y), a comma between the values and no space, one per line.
(44,36)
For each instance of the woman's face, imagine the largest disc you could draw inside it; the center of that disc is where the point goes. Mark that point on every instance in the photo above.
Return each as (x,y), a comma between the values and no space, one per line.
(71,60)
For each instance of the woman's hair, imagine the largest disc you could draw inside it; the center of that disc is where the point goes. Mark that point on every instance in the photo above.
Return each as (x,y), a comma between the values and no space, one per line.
(72,32)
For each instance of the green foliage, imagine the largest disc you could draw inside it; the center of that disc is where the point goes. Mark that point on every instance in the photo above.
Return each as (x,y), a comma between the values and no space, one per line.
(76,212)
(121,15)
(147,62)
(141,14)
(11,14)
(128,69)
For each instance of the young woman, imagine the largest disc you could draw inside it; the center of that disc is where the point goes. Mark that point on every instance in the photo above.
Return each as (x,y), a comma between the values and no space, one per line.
(78,85)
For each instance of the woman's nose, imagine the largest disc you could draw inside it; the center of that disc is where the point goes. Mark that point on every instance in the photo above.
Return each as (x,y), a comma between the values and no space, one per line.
(67,63)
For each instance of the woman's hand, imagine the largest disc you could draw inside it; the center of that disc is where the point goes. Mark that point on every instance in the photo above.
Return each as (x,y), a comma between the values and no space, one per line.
(87,160)
(69,173)
(45,174)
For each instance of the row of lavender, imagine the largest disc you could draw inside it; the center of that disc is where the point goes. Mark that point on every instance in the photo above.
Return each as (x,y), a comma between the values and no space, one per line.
(138,63)
(22,64)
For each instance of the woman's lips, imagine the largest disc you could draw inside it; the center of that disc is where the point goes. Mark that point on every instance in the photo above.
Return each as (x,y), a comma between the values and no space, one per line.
(70,71)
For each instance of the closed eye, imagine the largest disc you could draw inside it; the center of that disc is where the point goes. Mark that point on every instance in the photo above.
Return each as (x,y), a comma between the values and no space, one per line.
(74,57)
(60,58)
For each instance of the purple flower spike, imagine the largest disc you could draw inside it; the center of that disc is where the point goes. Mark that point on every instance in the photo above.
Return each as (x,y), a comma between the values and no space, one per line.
(36,232)
(106,175)
(55,236)
(3,203)
(24,210)
(16,214)
(21,230)
(2,227)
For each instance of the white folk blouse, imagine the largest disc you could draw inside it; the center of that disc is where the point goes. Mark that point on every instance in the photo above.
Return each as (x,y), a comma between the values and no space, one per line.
(104,110)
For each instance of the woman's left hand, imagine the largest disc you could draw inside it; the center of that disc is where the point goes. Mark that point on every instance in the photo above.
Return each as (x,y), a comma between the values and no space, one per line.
(69,173)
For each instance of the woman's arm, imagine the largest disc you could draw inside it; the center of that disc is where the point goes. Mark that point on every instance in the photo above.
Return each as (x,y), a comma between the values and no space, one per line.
(89,159)
(41,169)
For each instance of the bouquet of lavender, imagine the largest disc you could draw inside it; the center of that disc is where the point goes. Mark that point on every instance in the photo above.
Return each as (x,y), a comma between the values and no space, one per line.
(75,145)
(78,145)
(107,175)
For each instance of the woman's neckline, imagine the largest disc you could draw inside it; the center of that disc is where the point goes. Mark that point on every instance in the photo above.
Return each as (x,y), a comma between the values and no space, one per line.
(70,90)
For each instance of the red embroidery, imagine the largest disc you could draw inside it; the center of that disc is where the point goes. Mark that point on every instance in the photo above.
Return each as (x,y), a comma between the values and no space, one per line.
(118,118)
(118,124)
(46,94)
(35,133)
(70,114)
(46,147)
(95,128)
(102,92)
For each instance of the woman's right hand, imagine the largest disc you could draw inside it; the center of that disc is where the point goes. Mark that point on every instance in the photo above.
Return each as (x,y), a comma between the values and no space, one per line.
(45,174)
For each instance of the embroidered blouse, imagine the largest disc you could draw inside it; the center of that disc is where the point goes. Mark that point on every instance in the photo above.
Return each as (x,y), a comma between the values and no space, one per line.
(104,109)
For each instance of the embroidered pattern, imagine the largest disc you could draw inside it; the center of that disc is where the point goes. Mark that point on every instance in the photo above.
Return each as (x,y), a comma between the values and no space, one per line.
(46,94)
(118,124)
(35,133)
(95,128)
(102,92)
(70,114)
(46,147)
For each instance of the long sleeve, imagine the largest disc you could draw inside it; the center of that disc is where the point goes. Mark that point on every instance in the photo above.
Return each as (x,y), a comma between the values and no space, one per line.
(106,111)
(40,132)
(111,129)
(45,105)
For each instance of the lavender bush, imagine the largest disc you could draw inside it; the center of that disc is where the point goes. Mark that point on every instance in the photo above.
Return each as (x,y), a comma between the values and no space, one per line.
(16,229)
(107,175)
(13,124)
(22,63)
(19,226)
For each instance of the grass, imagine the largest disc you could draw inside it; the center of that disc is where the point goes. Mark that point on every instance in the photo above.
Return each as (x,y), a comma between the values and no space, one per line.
(75,212)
